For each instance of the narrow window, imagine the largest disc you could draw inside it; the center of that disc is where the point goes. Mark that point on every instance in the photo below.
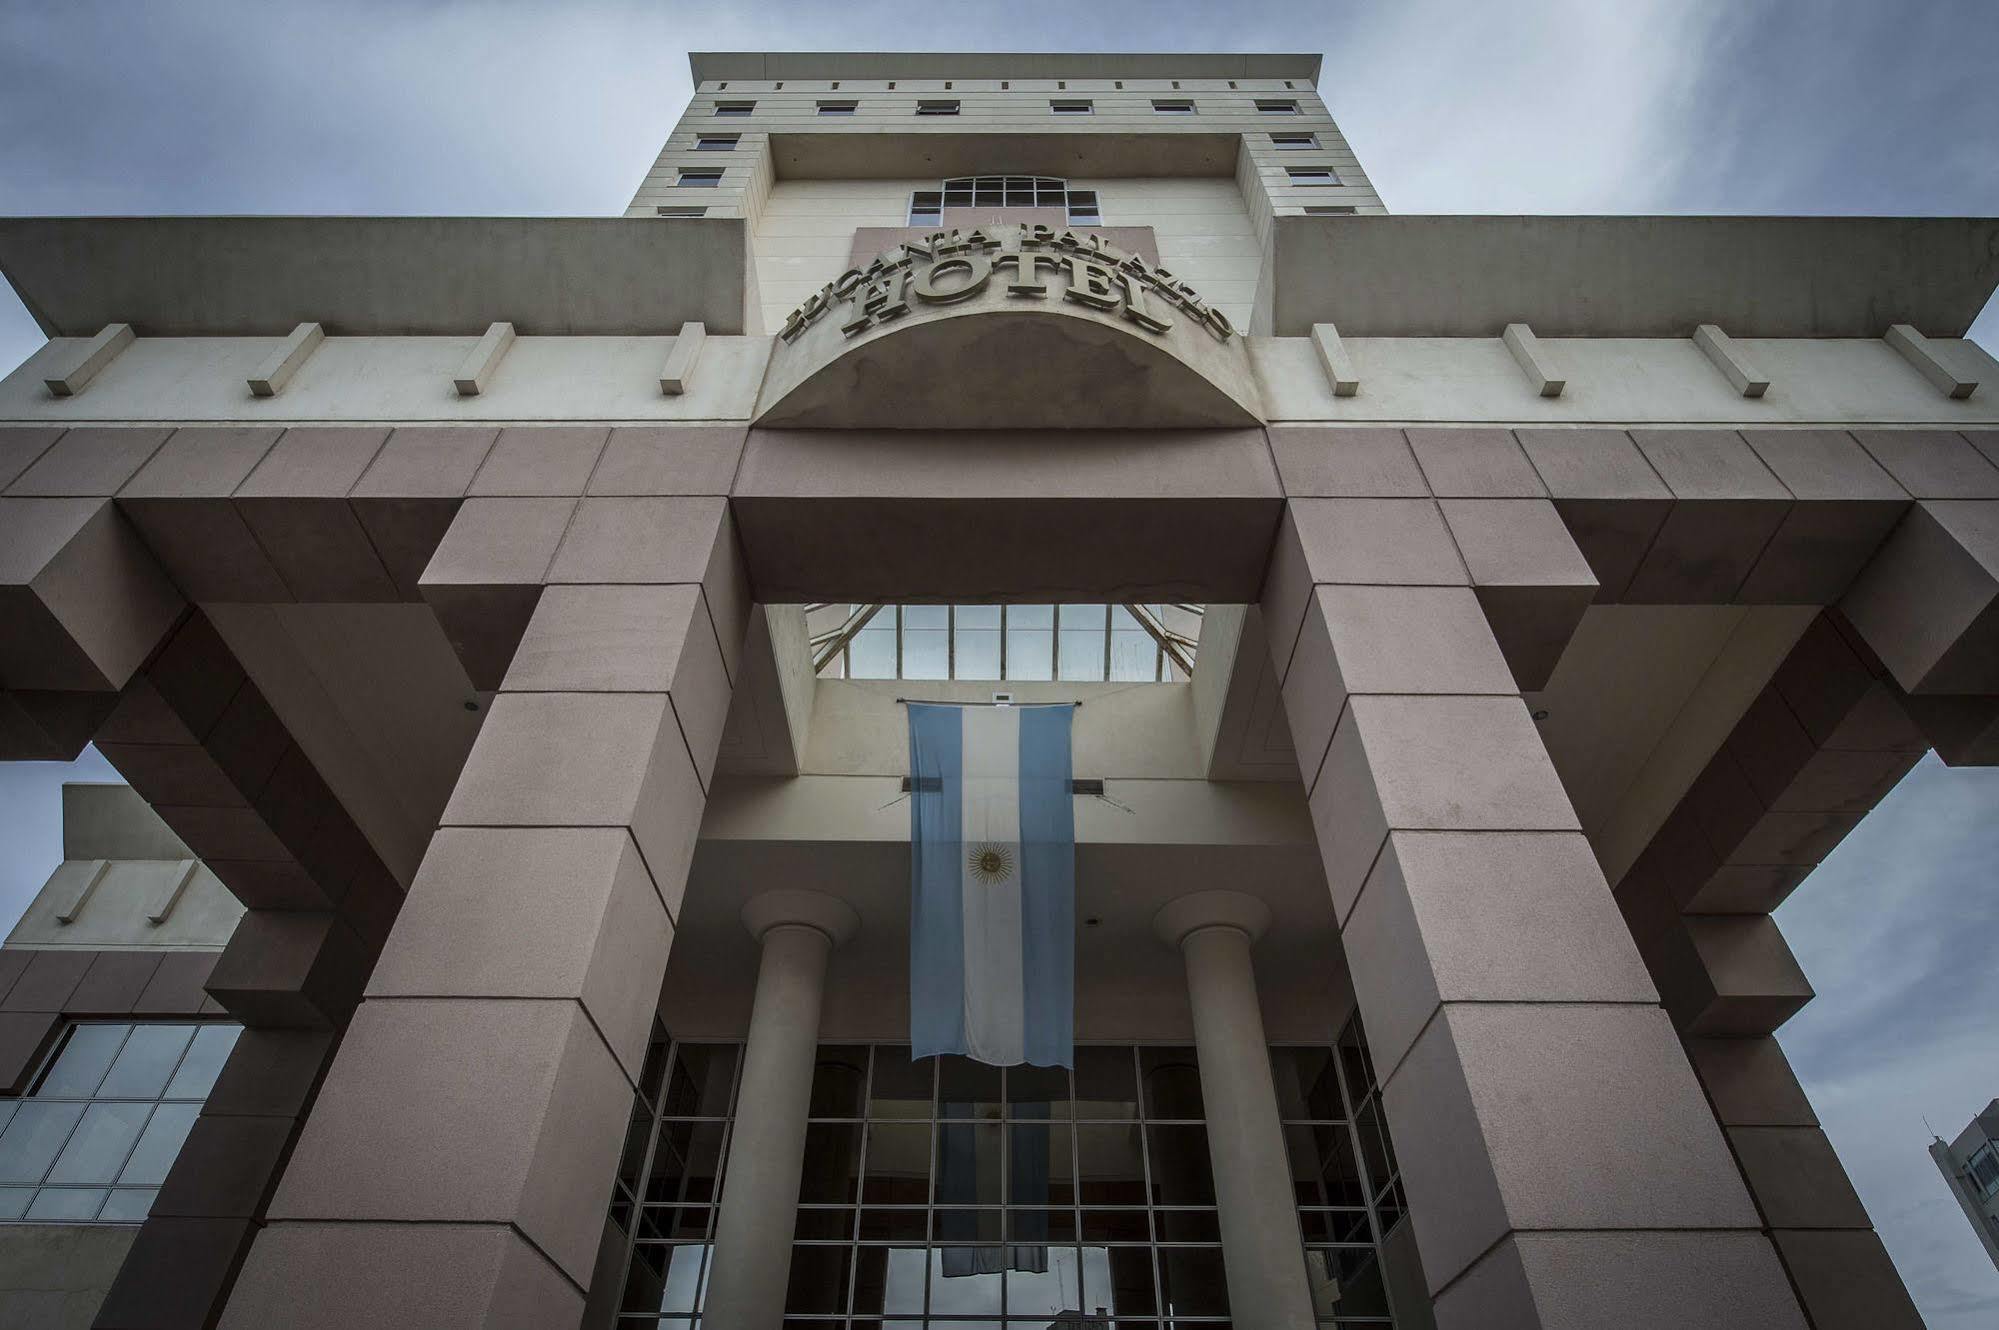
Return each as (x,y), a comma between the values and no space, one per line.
(665,211)
(1172,106)
(1312,176)
(717,142)
(1305,141)
(932,106)
(1328,210)
(837,108)
(1083,209)
(1072,107)
(735,108)
(698,177)
(1276,106)
(926,208)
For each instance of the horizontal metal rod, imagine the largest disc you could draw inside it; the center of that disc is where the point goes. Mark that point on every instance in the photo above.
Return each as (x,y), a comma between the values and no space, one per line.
(936,783)
(948,702)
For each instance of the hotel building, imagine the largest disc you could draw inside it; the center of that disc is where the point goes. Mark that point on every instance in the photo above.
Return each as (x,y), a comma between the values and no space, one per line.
(512,617)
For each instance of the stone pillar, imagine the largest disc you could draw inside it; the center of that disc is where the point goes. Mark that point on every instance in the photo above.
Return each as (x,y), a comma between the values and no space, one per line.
(1520,1042)
(798,930)
(1261,1246)
(459,1162)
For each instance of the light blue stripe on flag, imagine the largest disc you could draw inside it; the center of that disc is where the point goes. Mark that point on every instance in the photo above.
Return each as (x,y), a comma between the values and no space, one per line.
(993,884)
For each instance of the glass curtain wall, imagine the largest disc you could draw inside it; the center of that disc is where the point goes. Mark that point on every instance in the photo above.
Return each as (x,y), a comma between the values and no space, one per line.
(945,1193)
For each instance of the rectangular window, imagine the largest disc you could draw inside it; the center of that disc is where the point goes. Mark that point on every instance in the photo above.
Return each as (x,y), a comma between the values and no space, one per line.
(1329,210)
(1172,106)
(1276,106)
(1311,175)
(1300,140)
(93,1141)
(838,108)
(1072,107)
(699,177)
(665,211)
(937,107)
(926,207)
(717,142)
(1083,209)
(735,108)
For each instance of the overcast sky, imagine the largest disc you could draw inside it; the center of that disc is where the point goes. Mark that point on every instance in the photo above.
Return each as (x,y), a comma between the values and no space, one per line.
(1790,106)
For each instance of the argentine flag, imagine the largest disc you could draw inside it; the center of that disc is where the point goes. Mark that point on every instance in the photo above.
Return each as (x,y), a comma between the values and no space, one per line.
(992,920)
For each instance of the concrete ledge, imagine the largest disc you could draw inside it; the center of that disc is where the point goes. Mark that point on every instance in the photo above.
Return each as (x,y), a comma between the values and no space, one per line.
(262,276)
(1646,276)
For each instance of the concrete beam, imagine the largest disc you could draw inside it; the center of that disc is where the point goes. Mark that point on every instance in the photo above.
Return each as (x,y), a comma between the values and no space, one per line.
(1334,358)
(1718,347)
(1533,362)
(297,348)
(680,361)
(484,359)
(98,352)
(1916,349)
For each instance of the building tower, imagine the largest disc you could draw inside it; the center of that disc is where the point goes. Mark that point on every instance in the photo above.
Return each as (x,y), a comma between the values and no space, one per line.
(515,616)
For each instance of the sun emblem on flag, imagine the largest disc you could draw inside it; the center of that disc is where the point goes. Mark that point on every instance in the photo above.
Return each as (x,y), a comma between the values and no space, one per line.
(990,863)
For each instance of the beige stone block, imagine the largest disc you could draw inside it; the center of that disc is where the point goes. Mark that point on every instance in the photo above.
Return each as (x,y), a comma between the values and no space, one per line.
(291,969)
(20,445)
(1429,764)
(503,1111)
(1385,640)
(540,460)
(1728,975)
(1610,498)
(539,912)
(1633,1281)
(1750,1083)
(443,1276)
(90,460)
(432,462)
(1509,1117)
(1475,464)
(486,577)
(1845,781)
(1846,1280)
(669,459)
(1932,463)
(1346,463)
(1796,1178)
(587,760)
(1529,576)
(624,540)
(1394,542)
(640,639)
(1744,888)
(1779,837)
(180,503)
(1727,507)
(1928,603)
(83,601)
(296,504)
(1483,917)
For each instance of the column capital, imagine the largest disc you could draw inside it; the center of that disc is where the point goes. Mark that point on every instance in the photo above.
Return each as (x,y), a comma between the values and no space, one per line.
(1210,909)
(810,909)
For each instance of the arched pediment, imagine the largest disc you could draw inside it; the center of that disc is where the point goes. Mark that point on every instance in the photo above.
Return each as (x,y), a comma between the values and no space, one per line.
(1008,327)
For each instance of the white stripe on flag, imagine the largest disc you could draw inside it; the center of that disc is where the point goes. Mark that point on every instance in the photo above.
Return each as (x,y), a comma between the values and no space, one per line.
(995,1009)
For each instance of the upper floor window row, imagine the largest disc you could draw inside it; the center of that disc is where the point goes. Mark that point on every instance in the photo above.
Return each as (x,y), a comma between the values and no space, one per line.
(926,206)
(1056,106)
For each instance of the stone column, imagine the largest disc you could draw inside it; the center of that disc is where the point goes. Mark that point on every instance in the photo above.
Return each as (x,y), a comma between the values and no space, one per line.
(1261,1246)
(1547,1125)
(798,930)
(460,1159)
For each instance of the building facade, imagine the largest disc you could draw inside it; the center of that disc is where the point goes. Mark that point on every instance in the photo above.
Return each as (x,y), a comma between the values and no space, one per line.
(1970,1166)
(514,616)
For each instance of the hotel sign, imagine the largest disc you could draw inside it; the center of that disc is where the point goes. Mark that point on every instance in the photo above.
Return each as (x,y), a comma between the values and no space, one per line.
(1031,262)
